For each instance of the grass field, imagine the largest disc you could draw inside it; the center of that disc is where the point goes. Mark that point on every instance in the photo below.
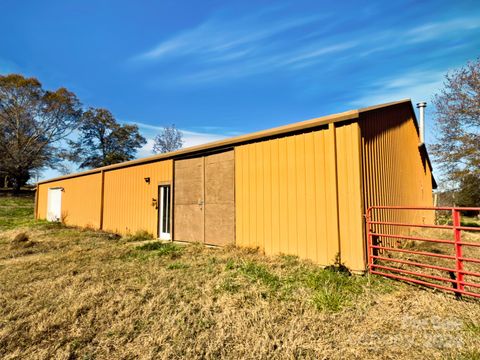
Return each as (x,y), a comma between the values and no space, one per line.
(68,293)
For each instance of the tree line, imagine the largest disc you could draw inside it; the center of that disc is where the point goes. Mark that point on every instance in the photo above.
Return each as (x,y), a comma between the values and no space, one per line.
(42,129)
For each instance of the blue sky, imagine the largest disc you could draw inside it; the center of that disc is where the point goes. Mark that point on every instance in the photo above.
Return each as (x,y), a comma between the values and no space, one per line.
(218,68)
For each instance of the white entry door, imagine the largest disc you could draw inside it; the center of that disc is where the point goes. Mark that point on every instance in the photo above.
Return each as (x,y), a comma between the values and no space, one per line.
(54,204)
(164,212)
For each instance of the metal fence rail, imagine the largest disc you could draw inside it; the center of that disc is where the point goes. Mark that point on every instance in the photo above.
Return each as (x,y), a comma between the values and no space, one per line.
(434,267)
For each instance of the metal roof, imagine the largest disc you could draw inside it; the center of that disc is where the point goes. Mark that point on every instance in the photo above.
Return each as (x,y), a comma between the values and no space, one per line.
(237,140)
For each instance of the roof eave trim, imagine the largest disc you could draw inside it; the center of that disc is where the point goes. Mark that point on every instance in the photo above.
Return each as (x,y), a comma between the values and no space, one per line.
(281,130)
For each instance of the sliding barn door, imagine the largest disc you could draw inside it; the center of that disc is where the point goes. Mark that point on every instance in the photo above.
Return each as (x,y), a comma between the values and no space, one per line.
(188,199)
(220,199)
(204,199)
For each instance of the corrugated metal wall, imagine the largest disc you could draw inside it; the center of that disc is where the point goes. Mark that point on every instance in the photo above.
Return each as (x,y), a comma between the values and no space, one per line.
(81,200)
(128,198)
(301,194)
(350,197)
(291,193)
(394,171)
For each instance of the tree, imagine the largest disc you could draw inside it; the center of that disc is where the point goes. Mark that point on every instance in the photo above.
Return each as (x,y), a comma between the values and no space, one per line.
(469,191)
(103,141)
(32,123)
(170,139)
(458,122)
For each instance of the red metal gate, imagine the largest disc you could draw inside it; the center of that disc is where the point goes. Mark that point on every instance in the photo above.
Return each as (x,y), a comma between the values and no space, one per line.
(401,248)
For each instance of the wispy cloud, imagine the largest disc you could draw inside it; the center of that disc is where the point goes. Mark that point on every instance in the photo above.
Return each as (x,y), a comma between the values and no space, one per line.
(229,48)
(224,47)
(222,40)
(418,85)
(435,30)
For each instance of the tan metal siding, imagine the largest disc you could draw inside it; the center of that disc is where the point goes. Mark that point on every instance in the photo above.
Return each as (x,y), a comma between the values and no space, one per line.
(394,172)
(288,201)
(350,196)
(80,200)
(128,198)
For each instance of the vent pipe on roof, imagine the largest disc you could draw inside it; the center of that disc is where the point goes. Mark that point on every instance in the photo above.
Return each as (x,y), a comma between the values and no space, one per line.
(421,106)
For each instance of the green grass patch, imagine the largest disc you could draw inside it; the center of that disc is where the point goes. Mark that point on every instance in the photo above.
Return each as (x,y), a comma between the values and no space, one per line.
(16,212)
(470,224)
(230,284)
(465,221)
(333,289)
(155,249)
(155,246)
(330,289)
(469,355)
(260,273)
(473,327)
(17,201)
(230,265)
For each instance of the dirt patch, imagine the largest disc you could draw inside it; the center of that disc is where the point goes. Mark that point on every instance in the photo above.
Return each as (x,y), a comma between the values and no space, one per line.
(22,241)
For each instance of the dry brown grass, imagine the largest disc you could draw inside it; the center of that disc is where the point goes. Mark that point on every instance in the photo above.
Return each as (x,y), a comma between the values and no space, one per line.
(85,294)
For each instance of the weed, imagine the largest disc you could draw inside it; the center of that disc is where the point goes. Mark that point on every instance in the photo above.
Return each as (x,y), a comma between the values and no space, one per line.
(261,274)
(473,327)
(230,265)
(333,289)
(329,299)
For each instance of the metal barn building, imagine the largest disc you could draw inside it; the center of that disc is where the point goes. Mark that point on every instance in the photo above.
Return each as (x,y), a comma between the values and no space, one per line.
(300,189)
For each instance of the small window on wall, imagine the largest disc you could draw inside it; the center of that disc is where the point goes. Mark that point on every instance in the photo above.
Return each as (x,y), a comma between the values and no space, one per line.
(164,212)
(54,204)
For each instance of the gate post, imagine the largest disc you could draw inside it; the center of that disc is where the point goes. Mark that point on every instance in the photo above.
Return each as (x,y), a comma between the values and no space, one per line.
(458,248)
(369,240)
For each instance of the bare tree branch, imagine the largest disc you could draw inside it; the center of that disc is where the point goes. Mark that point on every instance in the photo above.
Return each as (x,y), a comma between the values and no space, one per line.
(170,139)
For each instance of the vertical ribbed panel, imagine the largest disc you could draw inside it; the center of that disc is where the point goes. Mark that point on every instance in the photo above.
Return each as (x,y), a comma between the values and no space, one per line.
(287,199)
(128,198)
(350,196)
(80,200)
(394,171)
